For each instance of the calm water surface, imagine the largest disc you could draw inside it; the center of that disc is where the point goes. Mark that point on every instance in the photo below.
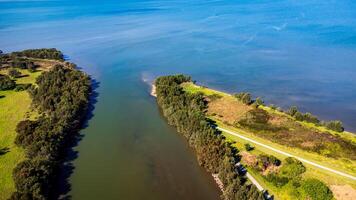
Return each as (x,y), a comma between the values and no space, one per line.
(289,52)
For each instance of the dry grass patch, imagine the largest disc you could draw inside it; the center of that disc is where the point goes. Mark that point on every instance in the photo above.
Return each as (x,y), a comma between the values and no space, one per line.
(248,159)
(343,192)
(227,109)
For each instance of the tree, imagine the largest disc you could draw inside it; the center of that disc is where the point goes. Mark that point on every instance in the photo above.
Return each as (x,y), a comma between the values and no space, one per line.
(14,73)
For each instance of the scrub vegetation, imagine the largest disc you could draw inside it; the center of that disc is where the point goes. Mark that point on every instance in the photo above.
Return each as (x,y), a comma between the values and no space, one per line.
(185,111)
(287,178)
(283,127)
(60,96)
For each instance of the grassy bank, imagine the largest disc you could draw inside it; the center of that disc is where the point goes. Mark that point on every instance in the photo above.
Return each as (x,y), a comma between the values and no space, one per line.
(15,106)
(225,109)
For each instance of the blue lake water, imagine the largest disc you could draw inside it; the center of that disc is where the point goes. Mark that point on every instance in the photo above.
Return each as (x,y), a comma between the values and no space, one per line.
(289,52)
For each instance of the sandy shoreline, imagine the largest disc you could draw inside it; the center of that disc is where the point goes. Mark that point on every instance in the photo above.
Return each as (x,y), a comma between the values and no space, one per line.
(153,90)
(218,181)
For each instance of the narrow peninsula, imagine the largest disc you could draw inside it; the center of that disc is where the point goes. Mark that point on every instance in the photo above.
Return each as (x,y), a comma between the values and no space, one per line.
(255,151)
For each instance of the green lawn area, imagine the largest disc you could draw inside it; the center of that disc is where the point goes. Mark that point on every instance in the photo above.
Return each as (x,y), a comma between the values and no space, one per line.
(13,106)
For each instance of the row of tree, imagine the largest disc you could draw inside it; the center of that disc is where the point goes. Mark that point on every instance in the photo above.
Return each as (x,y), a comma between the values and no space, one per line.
(62,98)
(293,111)
(50,53)
(308,117)
(185,111)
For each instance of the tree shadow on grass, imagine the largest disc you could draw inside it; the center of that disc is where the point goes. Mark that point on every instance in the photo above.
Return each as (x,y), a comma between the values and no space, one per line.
(62,186)
(2,96)
(4,151)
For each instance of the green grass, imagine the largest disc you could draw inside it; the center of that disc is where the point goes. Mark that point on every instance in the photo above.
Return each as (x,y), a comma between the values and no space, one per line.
(192,88)
(14,106)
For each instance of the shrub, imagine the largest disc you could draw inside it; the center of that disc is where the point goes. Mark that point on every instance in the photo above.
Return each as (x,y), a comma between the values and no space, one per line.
(6,83)
(310,118)
(22,87)
(244,97)
(292,168)
(265,160)
(248,147)
(315,190)
(259,101)
(14,73)
(273,107)
(335,126)
(292,110)
(276,180)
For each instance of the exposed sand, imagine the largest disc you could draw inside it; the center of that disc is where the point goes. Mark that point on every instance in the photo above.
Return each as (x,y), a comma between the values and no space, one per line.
(343,192)
(153,90)
(218,181)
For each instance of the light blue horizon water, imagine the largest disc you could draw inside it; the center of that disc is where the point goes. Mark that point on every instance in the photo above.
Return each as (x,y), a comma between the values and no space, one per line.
(289,52)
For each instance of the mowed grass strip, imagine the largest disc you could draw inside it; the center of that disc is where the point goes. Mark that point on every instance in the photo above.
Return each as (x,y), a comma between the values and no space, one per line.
(13,108)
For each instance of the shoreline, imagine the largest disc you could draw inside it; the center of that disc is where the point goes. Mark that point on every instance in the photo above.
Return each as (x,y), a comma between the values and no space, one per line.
(218,182)
(153,90)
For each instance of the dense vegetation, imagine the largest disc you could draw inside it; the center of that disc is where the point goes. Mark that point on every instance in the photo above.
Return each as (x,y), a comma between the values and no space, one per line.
(308,117)
(62,97)
(51,53)
(6,83)
(287,176)
(287,132)
(185,111)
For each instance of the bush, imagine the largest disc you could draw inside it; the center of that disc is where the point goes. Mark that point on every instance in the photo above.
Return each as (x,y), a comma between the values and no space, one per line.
(14,73)
(310,118)
(273,107)
(276,180)
(335,126)
(315,190)
(292,168)
(292,110)
(244,97)
(257,120)
(22,87)
(248,147)
(6,83)
(259,101)
(265,161)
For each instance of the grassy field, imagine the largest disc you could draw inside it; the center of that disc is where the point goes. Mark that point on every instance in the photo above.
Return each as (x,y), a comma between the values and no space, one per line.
(221,111)
(14,108)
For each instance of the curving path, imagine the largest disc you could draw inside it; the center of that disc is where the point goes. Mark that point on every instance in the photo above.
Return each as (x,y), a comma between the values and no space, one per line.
(289,155)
